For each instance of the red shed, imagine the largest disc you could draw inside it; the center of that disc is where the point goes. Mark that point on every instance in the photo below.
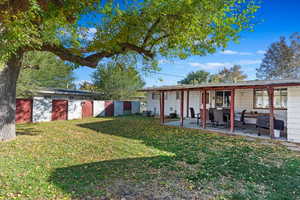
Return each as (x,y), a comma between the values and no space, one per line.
(23,110)
(87,109)
(59,109)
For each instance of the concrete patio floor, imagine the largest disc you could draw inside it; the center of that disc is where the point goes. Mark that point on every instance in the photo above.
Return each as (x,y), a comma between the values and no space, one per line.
(248,130)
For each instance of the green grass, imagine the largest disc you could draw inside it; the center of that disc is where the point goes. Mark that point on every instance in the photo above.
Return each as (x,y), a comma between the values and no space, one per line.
(136,157)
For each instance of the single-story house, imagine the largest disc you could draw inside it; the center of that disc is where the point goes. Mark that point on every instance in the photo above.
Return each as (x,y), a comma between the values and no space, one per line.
(244,106)
(65,104)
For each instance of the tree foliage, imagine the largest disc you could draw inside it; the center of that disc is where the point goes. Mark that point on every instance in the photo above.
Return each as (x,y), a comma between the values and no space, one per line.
(117,80)
(43,69)
(150,27)
(282,60)
(197,77)
(233,74)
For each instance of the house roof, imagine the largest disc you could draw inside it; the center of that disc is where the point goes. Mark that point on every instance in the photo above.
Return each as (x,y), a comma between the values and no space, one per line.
(241,84)
(58,91)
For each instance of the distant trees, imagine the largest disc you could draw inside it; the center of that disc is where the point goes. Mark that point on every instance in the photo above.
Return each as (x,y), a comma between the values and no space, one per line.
(197,77)
(43,69)
(117,80)
(282,60)
(232,74)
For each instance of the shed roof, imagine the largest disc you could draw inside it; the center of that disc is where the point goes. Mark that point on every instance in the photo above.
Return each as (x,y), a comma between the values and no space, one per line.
(59,91)
(240,84)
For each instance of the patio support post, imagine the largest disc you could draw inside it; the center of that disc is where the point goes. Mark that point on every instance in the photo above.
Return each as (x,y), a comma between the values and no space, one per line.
(271,110)
(204,109)
(181,107)
(232,96)
(162,107)
(187,102)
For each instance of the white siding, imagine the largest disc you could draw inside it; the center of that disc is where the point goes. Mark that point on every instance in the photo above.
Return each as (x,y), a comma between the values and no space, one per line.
(74,109)
(244,100)
(135,107)
(118,108)
(293,114)
(99,108)
(152,104)
(42,109)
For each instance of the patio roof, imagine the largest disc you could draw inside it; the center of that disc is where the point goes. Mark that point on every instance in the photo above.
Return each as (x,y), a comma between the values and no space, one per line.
(241,84)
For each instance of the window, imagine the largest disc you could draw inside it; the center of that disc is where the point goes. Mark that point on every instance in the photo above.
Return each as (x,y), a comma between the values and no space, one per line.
(155,96)
(261,98)
(223,99)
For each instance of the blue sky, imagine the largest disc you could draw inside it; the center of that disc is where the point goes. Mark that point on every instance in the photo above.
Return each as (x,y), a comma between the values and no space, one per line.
(277,18)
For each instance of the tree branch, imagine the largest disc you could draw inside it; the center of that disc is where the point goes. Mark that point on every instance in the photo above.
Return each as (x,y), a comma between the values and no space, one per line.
(67,54)
(150,31)
(93,59)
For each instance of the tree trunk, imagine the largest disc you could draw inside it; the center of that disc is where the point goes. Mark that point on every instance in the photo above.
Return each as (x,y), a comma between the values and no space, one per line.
(8,79)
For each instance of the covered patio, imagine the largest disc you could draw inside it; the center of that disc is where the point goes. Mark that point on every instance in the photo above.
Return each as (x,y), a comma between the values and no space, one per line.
(233,124)
(249,130)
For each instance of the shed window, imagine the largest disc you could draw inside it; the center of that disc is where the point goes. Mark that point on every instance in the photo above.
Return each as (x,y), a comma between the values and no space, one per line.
(261,98)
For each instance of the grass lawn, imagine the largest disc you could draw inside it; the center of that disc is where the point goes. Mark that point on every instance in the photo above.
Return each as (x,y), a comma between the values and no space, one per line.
(136,158)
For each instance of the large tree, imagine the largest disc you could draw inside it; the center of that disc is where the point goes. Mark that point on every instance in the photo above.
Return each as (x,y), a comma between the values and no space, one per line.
(233,74)
(117,80)
(282,60)
(196,77)
(147,28)
(50,71)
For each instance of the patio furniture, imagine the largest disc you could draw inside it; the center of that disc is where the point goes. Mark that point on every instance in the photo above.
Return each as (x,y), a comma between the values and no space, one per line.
(194,116)
(242,119)
(173,115)
(211,115)
(219,117)
(263,122)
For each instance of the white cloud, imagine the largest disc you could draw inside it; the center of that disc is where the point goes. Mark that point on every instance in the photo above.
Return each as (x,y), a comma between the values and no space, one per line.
(231,52)
(217,65)
(260,52)
(209,65)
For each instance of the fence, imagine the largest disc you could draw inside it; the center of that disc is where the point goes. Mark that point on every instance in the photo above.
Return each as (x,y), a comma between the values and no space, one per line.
(41,109)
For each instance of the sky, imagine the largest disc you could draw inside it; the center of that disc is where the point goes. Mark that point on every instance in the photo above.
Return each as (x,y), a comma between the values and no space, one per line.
(276,18)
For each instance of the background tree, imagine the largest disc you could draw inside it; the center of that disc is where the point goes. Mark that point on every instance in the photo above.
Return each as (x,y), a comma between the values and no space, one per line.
(233,74)
(85,85)
(50,72)
(282,60)
(197,77)
(117,80)
(141,28)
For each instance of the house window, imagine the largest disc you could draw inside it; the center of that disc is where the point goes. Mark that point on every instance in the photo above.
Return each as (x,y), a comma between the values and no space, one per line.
(223,99)
(156,96)
(261,98)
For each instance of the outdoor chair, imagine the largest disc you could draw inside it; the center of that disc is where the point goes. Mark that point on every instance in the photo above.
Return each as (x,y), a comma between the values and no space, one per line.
(242,119)
(194,116)
(219,117)
(263,122)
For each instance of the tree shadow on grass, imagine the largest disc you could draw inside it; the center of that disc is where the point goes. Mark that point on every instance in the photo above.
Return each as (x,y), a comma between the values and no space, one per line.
(262,172)
(90,181)
(23,129)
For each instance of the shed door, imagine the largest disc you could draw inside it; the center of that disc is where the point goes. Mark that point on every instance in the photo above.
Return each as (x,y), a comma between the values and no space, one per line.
(127,107)
(109,108)
(59,110)
(87,109)
(23,110)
